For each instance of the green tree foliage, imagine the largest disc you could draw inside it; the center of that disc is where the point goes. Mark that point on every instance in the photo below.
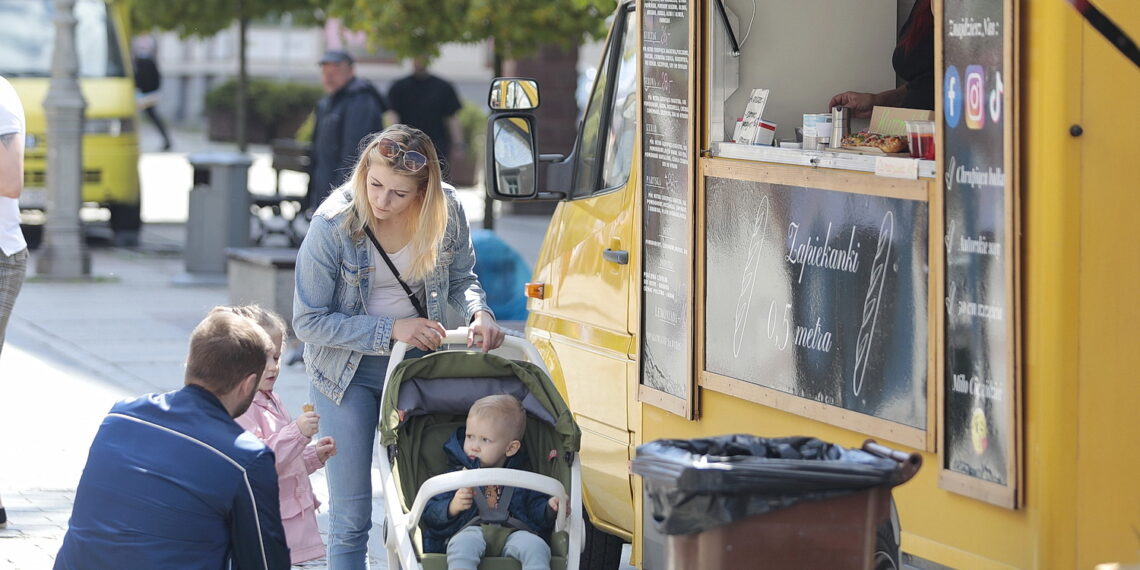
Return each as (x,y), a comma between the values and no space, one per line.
(204,18)
(516,28)
(519,27)
(406,27)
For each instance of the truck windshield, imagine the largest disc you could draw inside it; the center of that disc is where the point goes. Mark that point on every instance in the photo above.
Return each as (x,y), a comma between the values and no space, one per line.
(29,34)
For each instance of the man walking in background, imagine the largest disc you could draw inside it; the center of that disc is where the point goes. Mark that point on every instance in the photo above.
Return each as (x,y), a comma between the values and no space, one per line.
(351,109)
(430,104)
(148,83)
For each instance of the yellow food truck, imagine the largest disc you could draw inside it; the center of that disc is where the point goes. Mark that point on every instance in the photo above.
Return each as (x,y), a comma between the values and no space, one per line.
(110,139)
(701,277)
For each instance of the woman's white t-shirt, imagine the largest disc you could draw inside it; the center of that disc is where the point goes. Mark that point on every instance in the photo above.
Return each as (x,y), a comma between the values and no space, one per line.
(387,298)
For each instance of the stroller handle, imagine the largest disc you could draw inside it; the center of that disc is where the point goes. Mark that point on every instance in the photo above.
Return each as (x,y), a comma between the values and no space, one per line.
(511,343)
(459,336)
(488,476)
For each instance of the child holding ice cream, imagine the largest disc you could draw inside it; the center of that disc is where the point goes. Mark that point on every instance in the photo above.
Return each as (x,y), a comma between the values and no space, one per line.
(290,441)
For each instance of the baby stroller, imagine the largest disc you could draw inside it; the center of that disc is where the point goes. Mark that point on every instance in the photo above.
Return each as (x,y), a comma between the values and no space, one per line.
(426,399)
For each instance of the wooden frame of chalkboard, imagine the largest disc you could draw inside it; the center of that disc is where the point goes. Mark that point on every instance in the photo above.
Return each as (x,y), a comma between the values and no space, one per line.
(959,387)
(847,186)
(666,206)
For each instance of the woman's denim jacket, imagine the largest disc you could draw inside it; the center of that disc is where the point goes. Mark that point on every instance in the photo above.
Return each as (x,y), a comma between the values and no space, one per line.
(334,276)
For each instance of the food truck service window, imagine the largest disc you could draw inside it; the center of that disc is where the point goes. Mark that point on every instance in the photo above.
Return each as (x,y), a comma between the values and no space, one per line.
(817,284)
(772,99)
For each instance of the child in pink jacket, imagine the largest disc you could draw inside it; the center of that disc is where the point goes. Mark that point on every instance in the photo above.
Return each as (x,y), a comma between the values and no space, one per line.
(296,459)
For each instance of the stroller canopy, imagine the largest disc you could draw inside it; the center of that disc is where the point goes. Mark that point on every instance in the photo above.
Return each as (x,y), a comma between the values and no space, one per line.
(450,381)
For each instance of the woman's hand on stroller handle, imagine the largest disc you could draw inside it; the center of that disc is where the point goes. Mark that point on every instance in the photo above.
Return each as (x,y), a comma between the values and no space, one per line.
(484,332)
(424,334)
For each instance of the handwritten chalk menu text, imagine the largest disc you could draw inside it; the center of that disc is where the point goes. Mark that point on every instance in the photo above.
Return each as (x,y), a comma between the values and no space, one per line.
(979,321)
(667,188)
(819,294)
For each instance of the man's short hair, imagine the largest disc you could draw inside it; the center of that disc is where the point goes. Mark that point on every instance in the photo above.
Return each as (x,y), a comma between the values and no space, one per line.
(225,348)
(336,56)
(504,410)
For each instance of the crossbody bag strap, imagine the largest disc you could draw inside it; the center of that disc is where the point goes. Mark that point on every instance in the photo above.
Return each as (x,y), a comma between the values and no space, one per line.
(412,296)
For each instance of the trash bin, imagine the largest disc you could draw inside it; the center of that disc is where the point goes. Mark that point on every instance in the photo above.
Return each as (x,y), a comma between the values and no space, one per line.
(219,215)
(741,501)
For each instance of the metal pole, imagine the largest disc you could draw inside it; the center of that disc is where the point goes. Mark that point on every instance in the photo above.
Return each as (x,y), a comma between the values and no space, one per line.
(65,253)
(242,109)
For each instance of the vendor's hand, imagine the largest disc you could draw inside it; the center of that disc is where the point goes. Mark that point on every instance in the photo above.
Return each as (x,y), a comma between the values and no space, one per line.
(861,104)
(462,501)
(326,448)
(308,423)
(424,334)
(485,332)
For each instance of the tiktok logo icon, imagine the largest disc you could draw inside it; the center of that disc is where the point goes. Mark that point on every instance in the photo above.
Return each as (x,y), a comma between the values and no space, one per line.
(997,95)
(952,96)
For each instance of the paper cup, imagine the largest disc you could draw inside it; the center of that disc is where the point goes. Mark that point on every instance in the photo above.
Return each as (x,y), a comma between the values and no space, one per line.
(920,137)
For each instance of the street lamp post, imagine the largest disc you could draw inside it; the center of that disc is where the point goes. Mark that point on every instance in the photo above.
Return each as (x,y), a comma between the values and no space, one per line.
(64,254)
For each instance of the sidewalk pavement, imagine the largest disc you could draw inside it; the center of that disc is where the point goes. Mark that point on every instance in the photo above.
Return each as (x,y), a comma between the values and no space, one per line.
(75,347)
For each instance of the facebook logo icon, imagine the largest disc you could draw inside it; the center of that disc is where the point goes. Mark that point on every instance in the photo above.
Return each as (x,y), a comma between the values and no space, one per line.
(952,97)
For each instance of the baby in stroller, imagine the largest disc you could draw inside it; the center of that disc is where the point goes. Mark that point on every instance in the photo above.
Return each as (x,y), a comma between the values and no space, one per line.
(504,519)
(427,413)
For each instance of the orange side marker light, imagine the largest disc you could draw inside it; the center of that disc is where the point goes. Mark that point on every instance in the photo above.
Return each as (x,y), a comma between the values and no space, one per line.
(536,290)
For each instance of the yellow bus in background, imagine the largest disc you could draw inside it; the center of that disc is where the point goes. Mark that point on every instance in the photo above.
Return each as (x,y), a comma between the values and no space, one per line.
(110,141)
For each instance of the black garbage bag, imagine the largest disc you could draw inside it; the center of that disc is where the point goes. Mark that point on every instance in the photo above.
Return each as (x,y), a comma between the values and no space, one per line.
(698,484)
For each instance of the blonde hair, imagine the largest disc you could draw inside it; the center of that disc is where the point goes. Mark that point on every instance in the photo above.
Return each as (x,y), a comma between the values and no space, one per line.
(225,348)
(428,227)
(268,320)
(503,410)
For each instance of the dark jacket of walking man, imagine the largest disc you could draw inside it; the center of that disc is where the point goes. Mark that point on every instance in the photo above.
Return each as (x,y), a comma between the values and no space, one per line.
(430,104)
(351,109)
(172,481)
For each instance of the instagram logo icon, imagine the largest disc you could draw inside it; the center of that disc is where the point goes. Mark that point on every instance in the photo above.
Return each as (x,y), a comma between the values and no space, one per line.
(975,97)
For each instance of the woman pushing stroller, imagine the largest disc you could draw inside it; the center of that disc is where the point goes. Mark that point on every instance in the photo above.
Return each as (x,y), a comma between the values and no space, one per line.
(383,256)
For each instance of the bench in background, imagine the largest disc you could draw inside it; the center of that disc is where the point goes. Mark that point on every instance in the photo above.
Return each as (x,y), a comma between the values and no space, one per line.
(263,275)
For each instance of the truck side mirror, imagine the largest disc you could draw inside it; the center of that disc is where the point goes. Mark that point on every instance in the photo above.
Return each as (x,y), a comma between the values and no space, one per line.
(512,162)
(513,94)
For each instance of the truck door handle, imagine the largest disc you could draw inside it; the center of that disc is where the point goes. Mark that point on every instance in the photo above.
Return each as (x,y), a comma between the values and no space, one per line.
(618,256)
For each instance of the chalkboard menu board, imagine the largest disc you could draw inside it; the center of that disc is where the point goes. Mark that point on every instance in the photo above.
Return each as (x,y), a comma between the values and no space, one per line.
(666,319)
(979,403)
(819,294)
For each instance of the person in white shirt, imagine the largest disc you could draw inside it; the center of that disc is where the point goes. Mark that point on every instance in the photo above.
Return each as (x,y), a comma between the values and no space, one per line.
(13,248)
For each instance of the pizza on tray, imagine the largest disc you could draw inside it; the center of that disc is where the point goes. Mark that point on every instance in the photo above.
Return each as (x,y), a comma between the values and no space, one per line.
(885,143)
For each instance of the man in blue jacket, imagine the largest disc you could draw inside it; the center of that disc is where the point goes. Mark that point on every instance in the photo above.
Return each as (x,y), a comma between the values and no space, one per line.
(172,481)
(351,109)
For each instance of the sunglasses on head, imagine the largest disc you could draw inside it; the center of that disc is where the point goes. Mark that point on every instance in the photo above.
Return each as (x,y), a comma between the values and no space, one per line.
(413,161)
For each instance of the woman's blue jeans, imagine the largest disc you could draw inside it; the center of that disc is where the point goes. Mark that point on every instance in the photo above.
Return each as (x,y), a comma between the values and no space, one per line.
(353,425)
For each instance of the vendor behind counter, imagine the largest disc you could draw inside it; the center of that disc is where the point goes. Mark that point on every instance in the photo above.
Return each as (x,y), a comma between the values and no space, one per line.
(913,61)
